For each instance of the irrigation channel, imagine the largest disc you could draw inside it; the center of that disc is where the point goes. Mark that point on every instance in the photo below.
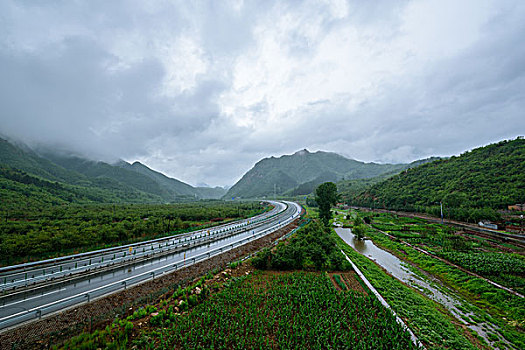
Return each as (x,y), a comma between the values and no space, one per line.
(428,285)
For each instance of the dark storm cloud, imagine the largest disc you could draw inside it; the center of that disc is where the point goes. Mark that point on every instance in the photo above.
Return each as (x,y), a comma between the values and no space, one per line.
(63,95)
(202,90)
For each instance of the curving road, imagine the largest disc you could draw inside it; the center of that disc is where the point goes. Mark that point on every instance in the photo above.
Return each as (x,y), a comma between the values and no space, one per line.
(31,291)
(14,279)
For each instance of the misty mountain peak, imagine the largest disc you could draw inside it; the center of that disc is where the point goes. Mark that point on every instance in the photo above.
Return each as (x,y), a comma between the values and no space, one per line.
(302,152)
(138,164)
(303,168)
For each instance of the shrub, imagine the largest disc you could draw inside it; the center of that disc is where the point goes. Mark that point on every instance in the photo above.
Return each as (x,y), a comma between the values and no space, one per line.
(311,248)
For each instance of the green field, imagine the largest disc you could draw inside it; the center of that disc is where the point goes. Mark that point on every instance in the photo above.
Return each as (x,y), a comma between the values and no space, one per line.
(502,263)
(295,310)
(487,302)
(265,310)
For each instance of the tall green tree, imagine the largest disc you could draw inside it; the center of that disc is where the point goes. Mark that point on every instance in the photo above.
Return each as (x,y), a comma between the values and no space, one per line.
(359,231)
(326,196)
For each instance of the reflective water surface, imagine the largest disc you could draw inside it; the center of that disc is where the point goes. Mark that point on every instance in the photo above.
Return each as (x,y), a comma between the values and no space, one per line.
(429,285)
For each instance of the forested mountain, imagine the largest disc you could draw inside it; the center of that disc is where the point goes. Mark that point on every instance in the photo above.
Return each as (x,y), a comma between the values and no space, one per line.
(23,158)
(172,186)
(28,177)
(351,188)
(20,191)
(112,175)
(302,171)
(487,177)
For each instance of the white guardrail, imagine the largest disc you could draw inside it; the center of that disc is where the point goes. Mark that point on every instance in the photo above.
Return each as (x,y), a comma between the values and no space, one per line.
(111,288)
(22,277)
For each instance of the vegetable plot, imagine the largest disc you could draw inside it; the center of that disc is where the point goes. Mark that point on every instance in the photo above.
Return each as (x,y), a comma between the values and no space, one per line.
(487,263)
(295,310)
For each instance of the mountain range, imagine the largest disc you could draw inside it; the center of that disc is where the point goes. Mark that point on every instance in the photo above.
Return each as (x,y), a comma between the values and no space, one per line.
(61,178)
(301,172)
(490,176)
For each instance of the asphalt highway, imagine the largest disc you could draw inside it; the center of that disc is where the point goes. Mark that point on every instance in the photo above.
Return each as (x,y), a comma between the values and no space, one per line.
(56,285)
(16,278)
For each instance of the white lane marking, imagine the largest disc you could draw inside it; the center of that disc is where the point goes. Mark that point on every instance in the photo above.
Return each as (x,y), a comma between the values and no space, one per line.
(36,296)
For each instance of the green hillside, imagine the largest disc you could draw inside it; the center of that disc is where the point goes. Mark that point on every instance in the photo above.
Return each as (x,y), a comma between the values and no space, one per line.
(172,187)
(301,172)
(95,171)
(20,192)
(351,188)
(489,177)
(36,179)
(169,187)
(22,158)
(309,187)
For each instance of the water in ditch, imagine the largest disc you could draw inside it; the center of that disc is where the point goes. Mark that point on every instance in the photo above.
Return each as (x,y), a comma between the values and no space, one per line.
(428,285)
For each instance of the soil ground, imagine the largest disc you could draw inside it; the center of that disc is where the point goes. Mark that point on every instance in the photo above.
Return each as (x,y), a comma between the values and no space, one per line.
(350,279)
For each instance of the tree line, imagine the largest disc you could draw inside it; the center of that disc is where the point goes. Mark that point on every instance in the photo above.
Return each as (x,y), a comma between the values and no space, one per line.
(52,231)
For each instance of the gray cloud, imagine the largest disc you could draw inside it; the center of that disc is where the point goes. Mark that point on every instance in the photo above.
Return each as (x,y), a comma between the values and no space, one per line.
(202,90)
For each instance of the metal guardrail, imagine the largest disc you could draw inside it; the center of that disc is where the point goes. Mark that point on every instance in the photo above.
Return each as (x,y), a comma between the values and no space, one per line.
(39,312)
(21,277)
(59,273)
(112,249)
(92,272)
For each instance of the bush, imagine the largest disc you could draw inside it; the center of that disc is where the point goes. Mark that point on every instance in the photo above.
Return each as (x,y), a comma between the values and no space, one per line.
(262,260)
(311,248)
(193,300)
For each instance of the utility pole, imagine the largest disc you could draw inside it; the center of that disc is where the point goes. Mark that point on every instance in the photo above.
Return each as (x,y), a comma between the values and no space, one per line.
(441,206)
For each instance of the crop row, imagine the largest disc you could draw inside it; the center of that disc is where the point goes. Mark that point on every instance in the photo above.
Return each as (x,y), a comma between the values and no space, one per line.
(506,311)
(487,263)
(287,311)
(443,242)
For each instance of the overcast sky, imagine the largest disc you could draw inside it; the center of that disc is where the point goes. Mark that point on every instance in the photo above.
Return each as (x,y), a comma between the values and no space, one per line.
(202,90)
